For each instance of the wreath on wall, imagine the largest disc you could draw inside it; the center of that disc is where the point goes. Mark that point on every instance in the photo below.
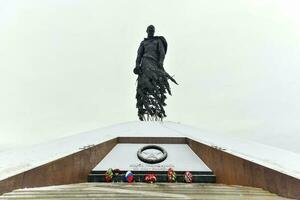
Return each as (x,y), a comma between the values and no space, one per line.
(152,158)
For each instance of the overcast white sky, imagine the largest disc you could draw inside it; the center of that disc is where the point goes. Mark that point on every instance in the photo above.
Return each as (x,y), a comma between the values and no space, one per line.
(66,66)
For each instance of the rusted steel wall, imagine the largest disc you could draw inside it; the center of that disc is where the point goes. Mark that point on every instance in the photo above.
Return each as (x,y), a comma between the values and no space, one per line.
(233,170)
(70,169)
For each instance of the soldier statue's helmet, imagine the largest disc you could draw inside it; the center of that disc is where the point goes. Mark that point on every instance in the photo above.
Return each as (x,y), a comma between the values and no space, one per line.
(150,28)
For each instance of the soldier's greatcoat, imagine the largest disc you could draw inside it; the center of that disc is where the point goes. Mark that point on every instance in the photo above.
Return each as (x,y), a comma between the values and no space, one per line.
(152,78)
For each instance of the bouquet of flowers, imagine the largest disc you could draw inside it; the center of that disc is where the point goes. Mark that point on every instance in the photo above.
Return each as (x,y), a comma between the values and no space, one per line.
(188,177)
(108,175)
(150,178)
(129,177)
(171,175)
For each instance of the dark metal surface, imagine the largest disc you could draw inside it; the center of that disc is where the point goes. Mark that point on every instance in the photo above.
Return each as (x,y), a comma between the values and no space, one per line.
(152,81)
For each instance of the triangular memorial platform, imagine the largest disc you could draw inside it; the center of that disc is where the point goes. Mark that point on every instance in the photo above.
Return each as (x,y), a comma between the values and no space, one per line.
(86,156)
(179,157)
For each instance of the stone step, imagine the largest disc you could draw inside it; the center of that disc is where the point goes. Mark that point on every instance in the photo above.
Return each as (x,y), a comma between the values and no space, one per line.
(126,194)
(209,197)
(200,191)
(141,186)
(116,191)
(149,197)
(87,198)
(179,190)
(87,185)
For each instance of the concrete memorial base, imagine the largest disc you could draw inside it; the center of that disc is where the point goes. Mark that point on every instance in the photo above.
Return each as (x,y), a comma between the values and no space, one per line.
(179,157)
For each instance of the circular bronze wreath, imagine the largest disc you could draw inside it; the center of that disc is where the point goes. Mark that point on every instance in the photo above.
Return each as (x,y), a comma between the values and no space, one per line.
(152,161)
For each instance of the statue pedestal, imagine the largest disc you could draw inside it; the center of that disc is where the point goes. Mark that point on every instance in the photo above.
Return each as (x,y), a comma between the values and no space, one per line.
(179,157)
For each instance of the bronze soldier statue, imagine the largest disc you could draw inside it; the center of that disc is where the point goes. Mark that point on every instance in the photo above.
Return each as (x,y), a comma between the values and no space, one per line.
(152,81)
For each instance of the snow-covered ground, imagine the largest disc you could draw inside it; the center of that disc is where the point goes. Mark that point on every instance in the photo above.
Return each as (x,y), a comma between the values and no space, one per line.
(19,160)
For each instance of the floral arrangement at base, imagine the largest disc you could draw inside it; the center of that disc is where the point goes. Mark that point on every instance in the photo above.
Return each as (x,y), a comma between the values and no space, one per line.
(116,175)
(150,178)
(188,177)
(171,175)
(108,176)
(129,177)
